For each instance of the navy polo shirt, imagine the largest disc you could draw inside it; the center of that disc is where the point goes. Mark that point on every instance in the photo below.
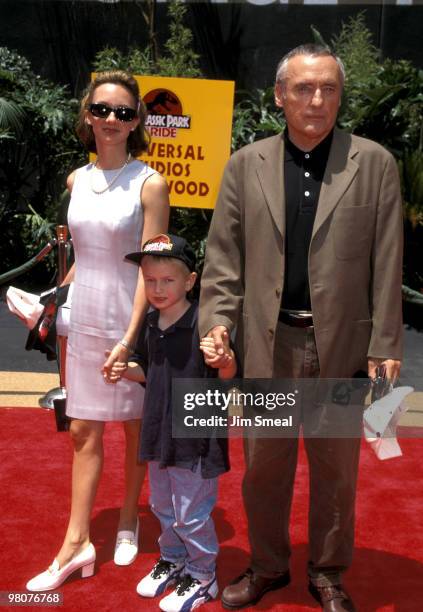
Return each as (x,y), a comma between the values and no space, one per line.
(164,355)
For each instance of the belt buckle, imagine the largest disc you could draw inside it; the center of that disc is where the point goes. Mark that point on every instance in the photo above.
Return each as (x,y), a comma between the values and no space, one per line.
(301,320)
(296,319)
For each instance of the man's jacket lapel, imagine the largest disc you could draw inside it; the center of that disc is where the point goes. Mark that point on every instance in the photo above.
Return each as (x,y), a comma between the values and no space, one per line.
(270,175)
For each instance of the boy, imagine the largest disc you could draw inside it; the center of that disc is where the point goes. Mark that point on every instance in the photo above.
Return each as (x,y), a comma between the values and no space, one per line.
(182,472)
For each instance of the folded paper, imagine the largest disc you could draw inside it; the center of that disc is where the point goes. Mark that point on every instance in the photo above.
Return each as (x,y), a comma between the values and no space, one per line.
(24,305)
(380,421)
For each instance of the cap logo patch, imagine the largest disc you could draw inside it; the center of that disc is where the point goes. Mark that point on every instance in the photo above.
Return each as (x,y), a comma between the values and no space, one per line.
(158,244)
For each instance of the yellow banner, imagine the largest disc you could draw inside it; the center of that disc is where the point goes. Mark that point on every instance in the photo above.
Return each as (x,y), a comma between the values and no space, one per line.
(190,123)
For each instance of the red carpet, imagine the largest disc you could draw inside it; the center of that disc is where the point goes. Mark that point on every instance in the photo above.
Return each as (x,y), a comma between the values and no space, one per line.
(387,573)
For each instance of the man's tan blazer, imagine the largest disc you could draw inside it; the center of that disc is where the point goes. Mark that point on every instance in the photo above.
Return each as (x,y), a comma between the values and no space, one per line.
(355,256)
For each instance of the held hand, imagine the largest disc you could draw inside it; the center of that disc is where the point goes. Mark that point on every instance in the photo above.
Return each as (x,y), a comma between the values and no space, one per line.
(392,367)
(220,335)
(208,348)
(211,357)
(217,352)
(115,364)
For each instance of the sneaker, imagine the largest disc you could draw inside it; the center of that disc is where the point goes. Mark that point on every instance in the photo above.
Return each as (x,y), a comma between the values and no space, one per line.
(189,594)
(163,574)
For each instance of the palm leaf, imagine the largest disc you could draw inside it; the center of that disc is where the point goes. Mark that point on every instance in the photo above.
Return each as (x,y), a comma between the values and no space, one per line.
(11,116)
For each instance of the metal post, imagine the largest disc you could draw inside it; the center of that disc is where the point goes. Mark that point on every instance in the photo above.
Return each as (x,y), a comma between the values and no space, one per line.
(62,264)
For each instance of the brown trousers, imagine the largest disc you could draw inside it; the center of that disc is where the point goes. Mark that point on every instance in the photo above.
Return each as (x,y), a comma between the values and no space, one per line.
(270,472)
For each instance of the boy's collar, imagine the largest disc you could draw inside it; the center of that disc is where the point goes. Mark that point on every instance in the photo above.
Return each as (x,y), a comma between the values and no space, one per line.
(187,320)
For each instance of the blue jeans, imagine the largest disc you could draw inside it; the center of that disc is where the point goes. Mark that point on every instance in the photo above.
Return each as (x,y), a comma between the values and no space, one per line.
(182,501)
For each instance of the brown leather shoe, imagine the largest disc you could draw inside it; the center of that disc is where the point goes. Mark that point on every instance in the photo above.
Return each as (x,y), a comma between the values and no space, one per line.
(249,588)
(332,598)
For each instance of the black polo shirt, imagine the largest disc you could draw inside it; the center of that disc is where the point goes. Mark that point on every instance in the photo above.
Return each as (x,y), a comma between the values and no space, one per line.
(303,171)
(164,355)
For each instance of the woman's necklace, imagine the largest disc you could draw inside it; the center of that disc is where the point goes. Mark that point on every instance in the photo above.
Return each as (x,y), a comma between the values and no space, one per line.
(114,179)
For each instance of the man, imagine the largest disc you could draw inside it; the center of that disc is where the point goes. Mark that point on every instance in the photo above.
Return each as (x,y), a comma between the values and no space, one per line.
(304,262)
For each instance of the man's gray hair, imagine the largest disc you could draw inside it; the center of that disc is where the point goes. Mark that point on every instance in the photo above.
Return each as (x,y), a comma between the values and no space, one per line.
(311,50)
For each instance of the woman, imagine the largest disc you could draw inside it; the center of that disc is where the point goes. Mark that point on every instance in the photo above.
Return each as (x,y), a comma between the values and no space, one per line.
(117,204)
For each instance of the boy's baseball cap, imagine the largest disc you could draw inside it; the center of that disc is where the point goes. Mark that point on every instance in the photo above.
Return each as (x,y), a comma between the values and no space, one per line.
(166,245)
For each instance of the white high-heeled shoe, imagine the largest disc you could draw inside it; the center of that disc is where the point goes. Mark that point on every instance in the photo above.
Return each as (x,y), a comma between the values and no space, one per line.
(55,576)
(126,548)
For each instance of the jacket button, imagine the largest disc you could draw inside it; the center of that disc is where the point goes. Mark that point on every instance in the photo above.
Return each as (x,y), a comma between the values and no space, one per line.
(271,332)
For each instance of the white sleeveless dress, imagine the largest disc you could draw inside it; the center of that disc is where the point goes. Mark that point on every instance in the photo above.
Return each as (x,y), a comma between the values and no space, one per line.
(104,229)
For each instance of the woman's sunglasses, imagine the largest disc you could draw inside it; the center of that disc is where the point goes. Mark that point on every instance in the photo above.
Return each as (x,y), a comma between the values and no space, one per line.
(122,113)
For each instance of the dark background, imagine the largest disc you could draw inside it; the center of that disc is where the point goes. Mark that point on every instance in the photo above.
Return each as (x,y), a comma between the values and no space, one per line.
(236,40)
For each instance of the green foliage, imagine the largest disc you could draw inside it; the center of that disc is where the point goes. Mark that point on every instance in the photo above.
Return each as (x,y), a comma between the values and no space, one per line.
(136,61)
(318,38)
(388,110)
(38,148)
(177,60)
(193,224)
(13,70)
(382,99)
(361,60)
(11,118)
(360,57)
(110,58)
(255,116)
(36,231)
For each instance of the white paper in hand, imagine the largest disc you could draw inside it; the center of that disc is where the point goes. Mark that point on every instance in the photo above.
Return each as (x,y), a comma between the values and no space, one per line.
(24,305)
(380,421)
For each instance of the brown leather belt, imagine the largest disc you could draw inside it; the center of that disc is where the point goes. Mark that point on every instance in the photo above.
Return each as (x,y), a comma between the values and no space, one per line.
(294,320)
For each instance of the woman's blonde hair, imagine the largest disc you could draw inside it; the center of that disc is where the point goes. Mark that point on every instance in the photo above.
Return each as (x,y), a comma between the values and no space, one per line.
(138,139)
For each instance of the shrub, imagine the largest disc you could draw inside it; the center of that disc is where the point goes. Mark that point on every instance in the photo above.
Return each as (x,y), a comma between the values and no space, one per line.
(38,148)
